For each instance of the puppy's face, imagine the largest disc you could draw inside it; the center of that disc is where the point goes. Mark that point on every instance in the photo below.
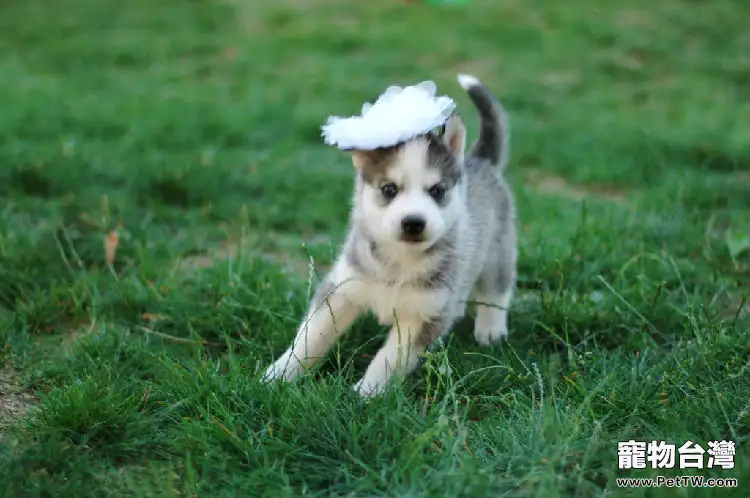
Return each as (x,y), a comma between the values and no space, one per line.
(410,194)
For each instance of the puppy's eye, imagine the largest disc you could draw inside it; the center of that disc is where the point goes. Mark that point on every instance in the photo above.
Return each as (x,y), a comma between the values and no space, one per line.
(436,192)
(389,190)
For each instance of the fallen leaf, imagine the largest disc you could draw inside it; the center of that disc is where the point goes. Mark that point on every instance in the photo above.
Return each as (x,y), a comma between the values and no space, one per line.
(110,246)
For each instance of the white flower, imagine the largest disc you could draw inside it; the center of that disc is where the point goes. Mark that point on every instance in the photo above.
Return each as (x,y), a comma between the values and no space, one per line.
(398,115)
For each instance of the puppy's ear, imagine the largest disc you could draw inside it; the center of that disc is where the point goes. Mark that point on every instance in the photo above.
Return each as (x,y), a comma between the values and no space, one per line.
(454,136)
(361,158)
(365,158)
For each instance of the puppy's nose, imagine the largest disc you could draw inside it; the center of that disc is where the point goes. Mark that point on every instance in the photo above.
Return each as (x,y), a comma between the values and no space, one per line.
(413,225)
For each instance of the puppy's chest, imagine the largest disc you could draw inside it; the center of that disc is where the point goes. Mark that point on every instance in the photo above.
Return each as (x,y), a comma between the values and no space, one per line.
(402,301)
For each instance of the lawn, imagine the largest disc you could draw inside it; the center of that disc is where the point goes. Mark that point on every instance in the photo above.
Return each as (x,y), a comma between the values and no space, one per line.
(167,206)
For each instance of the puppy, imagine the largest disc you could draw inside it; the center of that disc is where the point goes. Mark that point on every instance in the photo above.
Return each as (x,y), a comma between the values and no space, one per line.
(429,226)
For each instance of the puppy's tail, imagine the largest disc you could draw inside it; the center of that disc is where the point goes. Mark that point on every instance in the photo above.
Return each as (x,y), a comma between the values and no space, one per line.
(493,144)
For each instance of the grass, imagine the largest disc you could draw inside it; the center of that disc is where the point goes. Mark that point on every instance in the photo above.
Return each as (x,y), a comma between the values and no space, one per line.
(191,129)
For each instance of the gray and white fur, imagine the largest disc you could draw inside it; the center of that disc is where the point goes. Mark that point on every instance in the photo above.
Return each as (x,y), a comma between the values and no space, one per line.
(430,227)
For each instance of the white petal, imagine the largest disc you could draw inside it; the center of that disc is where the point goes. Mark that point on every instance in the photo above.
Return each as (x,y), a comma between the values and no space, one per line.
(428,86)
(399,114)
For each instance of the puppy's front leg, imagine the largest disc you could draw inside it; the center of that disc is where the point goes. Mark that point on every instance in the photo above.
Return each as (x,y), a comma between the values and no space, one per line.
(328,317)
(399,355)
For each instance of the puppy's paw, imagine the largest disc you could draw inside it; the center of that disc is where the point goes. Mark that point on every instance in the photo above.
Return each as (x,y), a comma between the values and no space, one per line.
(489,335)
(285,368)
(367,389)
(491,325)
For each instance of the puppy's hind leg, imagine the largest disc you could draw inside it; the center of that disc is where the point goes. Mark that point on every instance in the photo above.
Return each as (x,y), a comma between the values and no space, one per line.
(329,316)
(494,293)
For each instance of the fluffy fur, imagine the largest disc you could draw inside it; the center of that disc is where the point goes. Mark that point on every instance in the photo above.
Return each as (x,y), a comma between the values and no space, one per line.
(429,227)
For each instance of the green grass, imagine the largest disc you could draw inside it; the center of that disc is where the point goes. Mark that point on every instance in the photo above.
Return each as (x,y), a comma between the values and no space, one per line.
(192,128)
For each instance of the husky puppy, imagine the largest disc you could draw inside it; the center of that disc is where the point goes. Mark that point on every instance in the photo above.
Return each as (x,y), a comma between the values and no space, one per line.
(429,227)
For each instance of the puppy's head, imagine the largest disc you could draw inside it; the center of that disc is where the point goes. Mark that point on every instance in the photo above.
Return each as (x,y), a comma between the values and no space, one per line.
(410,194)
